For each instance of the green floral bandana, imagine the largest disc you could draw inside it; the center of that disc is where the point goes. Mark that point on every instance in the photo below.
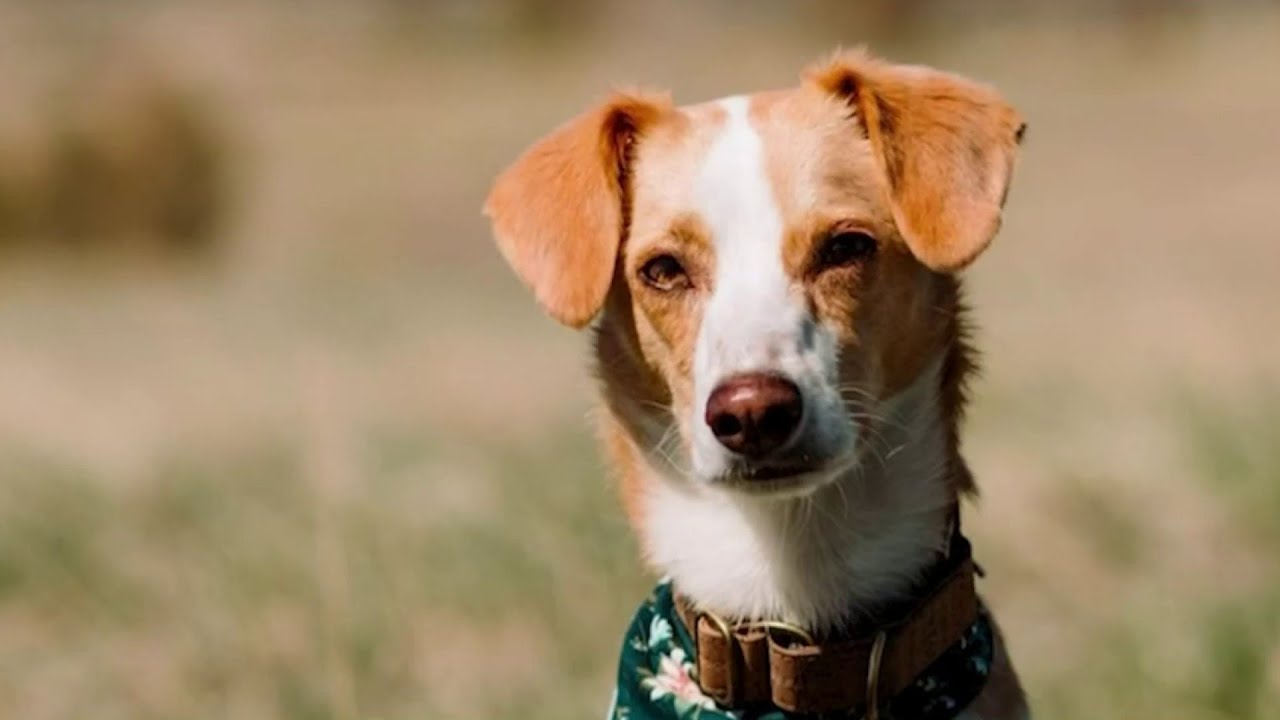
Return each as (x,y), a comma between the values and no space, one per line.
(657,674)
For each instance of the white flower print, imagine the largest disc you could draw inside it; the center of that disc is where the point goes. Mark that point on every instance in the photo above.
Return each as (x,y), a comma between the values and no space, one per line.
(659,631)
(675,678)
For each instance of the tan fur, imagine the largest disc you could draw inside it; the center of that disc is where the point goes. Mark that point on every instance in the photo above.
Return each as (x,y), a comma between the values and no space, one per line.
(894,313)
(634,396)
(559,212)
(625,456)
(946,146)
(644,345)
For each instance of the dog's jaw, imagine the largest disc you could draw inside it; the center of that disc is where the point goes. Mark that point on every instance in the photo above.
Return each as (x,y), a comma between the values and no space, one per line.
(826,560)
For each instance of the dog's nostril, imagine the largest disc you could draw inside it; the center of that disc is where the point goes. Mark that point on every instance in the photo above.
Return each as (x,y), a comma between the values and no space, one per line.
(754,414)
(779,420)
(725,425)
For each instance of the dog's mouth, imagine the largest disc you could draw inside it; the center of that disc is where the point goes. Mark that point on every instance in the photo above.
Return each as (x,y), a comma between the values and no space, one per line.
(783,479)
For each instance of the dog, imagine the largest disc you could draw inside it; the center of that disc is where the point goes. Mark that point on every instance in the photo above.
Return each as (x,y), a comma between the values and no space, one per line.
(782,348)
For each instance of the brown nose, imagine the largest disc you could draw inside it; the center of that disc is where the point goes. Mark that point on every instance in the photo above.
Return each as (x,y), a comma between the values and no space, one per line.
(754,414)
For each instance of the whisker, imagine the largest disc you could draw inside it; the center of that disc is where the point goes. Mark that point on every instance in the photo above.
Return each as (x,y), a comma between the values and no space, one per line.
(671,434)
(665,409)
(844,497)
(881,419)
(858,391)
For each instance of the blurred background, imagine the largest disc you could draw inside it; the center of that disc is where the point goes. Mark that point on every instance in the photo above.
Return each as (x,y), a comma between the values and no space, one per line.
(281,436)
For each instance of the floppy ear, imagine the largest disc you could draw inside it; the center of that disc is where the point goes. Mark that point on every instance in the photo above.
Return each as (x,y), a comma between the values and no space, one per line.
(946,146)
(560,210)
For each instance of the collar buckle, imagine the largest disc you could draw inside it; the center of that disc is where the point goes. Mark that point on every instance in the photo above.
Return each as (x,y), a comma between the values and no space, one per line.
(732,669)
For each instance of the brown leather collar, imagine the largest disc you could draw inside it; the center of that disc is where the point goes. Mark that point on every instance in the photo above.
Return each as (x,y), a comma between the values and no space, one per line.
(763,663)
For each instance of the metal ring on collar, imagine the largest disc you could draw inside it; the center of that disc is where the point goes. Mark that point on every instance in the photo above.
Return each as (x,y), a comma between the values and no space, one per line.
(874,662)
(786,627)
(732,679)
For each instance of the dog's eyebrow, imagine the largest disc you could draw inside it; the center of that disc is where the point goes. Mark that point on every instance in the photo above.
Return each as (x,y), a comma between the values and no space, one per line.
(857,182)
(688,227)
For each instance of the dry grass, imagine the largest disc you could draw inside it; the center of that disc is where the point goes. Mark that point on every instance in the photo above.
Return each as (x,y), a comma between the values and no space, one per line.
(348,474)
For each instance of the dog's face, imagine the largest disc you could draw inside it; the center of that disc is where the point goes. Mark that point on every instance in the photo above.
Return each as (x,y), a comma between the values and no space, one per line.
(769,263)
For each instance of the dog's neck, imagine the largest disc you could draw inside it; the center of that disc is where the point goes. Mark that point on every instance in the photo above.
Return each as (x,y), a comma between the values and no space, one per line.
(826,561)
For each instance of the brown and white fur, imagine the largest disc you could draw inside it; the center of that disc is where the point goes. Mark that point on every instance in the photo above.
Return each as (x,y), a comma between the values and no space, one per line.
(730,238)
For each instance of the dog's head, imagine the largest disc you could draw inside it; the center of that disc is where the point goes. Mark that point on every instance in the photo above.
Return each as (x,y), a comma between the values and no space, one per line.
(769,266)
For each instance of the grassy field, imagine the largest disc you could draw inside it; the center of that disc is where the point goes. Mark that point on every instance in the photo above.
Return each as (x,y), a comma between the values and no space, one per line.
(346,470)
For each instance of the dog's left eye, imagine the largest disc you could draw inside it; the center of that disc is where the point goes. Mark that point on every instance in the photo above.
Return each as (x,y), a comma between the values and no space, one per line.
(664,273)
(845,248)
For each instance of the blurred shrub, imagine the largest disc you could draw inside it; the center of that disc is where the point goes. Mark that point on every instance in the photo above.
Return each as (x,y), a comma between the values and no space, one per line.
(126,159)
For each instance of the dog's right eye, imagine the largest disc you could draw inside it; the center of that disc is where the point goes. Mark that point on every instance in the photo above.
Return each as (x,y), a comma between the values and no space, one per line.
(664,273)
(845,248)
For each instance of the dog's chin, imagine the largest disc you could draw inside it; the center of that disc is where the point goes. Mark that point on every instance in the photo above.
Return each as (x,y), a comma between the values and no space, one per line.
(781,481)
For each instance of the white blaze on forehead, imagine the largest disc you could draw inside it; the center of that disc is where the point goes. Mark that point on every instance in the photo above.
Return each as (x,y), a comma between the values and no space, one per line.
(732,191)
(750,309)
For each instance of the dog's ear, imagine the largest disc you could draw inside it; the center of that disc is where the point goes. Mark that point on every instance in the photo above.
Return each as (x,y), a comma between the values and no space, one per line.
(560,210)
(946,146)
